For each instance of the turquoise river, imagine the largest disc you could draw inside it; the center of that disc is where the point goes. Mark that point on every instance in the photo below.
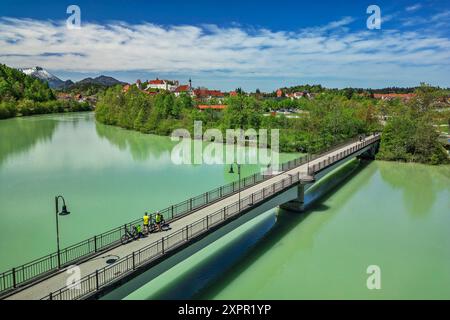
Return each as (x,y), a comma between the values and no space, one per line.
(395,216)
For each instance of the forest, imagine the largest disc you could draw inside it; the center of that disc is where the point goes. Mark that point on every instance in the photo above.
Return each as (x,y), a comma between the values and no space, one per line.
(329,118)
(22,95)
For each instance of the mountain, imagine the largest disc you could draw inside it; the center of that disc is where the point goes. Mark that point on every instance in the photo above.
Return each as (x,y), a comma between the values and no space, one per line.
(55,83)
(44,75)
(101,80)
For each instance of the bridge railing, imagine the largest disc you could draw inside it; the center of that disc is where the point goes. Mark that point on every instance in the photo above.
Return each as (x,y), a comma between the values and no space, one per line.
(76,253)
(95,281)
(341,155)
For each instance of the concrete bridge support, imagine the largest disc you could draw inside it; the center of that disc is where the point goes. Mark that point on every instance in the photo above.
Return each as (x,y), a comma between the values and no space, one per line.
(298,204)
(370,153)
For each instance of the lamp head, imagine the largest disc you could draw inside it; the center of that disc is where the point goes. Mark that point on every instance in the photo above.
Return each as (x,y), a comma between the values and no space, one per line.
(64,211)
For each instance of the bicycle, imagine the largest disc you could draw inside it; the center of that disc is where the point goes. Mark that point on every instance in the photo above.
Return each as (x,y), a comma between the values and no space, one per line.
(129,236)
(164,226)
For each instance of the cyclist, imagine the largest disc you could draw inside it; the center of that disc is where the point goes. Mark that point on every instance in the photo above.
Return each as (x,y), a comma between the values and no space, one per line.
(158,220)
(146,219)
(138,231)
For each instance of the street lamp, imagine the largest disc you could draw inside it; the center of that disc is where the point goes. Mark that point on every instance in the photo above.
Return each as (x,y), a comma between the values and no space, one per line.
(239,174)
(63,212)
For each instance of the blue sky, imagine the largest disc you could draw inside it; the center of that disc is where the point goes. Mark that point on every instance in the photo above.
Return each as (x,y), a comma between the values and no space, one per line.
(224,45)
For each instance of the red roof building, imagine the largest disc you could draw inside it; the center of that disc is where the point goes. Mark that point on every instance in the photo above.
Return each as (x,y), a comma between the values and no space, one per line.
(208,94)
(157,81)
(213,107)
(126,88)
(183,88)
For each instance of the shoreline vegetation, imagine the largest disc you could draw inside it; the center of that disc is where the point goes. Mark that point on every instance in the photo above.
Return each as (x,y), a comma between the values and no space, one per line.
(332,116)
(319,119)
(23,95)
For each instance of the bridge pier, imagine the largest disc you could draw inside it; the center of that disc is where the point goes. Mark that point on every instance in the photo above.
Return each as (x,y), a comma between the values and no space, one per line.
(371,153)
(298,204)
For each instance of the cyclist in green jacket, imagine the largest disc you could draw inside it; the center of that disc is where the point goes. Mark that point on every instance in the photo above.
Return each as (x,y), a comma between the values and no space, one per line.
(158,220)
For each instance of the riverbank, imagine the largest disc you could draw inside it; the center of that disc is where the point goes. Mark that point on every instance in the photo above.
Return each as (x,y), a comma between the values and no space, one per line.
(17,110)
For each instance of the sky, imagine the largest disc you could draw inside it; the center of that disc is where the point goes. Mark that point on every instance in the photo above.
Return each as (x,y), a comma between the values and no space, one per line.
(228,44)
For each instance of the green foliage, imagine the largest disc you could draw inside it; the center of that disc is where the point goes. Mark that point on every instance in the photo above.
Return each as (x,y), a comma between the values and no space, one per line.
(15,85)
(24,95)
(409,135)
(331,118)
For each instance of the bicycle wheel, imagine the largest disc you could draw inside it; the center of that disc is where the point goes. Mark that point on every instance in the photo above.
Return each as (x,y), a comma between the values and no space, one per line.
(124,239)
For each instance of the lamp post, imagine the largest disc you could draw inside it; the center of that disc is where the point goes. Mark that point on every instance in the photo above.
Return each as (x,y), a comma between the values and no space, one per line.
(63,212)
(239,174)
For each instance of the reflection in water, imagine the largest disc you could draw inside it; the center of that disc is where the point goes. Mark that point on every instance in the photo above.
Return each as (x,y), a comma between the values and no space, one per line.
(17,135)
(414,180)
(139,145)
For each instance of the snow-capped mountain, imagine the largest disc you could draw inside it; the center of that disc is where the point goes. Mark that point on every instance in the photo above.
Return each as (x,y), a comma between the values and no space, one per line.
(55,83)
(44,75)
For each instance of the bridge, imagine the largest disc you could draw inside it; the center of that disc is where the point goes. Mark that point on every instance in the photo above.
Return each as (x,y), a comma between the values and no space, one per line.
(106,265)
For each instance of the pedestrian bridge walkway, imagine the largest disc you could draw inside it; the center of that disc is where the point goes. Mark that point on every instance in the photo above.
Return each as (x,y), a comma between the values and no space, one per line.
(105,268)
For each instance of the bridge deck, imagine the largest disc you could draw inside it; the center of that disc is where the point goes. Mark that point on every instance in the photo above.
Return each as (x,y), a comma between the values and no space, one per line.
(58,281)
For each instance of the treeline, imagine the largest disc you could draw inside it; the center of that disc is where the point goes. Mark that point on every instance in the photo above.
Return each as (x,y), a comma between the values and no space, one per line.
(22,95)
(410,134)
(85,89)
(331,119)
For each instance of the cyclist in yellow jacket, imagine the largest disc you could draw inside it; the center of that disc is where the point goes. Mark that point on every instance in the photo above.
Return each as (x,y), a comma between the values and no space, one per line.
(158,220)
(146,219)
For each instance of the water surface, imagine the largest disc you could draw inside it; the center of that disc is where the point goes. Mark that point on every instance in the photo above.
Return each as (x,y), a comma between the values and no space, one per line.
(109,176)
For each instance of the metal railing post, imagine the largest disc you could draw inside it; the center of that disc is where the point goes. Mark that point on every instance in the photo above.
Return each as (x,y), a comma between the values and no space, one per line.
(95,243)
(96,278)
(134,262)
(14,277)
(187,232)
(190,204)
(162,245)
(207,222)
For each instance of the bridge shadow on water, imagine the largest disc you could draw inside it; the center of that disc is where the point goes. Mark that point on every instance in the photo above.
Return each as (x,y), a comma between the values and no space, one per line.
(206,278)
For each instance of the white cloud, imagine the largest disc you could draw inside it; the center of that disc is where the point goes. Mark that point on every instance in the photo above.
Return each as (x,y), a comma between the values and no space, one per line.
(328,51)
(413,7)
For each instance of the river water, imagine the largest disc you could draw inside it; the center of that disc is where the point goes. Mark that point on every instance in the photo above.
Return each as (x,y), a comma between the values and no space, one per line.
(395,216)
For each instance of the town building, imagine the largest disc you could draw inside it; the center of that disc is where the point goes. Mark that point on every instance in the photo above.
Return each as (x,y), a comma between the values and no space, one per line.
(212,107)
(205,94)
(168,85)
